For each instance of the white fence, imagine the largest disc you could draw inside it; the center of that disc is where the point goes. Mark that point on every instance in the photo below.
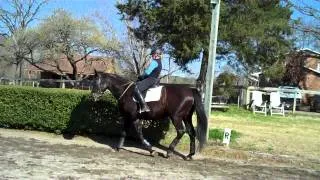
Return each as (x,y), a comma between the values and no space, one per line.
(61,83)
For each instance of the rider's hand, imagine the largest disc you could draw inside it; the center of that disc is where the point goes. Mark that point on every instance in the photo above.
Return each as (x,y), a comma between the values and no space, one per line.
(140,78)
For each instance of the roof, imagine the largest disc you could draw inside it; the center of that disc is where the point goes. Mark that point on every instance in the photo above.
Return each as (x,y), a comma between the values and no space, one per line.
(313,70)
(86,67)
(309,52)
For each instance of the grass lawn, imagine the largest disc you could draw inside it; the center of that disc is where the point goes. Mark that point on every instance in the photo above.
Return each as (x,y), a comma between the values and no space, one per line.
(293,135)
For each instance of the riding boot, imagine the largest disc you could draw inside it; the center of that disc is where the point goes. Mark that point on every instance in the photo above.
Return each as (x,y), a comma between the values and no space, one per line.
(138,96)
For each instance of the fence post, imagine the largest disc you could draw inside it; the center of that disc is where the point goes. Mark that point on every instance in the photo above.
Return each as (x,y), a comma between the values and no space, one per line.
(248,95)
(294,102)
(62,84)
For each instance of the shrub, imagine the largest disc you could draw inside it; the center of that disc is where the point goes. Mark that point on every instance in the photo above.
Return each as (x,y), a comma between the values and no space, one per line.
(47,109)
(217,134)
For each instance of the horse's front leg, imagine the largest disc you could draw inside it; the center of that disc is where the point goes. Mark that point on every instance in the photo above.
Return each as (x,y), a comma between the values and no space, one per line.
(125,129)
(138,128)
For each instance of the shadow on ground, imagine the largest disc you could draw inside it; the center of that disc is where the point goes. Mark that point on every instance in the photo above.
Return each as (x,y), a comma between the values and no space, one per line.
(101,122)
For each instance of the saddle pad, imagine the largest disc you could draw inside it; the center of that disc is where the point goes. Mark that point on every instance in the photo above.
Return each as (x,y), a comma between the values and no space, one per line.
(153,94)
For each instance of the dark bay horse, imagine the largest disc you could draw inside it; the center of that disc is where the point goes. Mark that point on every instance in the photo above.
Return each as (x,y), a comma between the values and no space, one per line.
(177,102)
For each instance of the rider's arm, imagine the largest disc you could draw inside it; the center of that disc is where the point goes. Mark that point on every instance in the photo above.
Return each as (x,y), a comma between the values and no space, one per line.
(150,68)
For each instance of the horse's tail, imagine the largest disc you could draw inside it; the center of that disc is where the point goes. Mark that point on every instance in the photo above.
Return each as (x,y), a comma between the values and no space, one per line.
(202,120)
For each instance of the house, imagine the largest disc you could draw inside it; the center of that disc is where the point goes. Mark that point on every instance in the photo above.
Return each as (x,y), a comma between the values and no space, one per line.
(311,80)
(303,70)
(50,70)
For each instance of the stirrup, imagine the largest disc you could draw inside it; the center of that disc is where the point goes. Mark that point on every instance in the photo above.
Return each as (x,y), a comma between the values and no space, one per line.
(146,109)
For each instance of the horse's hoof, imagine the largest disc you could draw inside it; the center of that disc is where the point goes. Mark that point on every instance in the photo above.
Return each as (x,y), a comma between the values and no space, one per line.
(68,136)
(168,155)
(152,153)
(185,158)
(189,157)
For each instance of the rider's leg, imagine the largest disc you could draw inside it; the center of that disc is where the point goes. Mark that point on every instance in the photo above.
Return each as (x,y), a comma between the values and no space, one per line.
(138,96)
(142,86)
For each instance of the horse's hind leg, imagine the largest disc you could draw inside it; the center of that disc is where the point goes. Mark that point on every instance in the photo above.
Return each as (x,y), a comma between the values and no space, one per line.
(177,122)
(138,129)
(192,134)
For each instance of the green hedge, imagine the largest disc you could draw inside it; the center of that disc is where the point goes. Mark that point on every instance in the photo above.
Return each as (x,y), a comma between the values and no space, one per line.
(50,109)
(63,110)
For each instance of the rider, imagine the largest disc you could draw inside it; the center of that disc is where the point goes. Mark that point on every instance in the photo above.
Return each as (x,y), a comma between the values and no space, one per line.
(148,79)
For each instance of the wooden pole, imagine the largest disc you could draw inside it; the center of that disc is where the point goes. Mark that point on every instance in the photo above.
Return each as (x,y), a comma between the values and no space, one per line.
(212,57)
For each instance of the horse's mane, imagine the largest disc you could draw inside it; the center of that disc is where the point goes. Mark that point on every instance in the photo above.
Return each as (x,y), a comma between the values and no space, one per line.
(116,77)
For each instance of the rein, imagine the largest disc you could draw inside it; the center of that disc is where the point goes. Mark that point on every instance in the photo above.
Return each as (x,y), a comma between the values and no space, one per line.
(130,84)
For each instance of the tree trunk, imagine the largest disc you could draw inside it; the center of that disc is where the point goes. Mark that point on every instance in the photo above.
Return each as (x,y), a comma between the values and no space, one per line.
(74,75)
(16,74)
(203,72)
(20,72)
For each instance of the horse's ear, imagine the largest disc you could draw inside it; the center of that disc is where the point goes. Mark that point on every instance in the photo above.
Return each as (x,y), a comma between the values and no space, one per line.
(96,73)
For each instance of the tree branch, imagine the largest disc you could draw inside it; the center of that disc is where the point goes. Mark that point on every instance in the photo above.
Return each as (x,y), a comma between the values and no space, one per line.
(86,55)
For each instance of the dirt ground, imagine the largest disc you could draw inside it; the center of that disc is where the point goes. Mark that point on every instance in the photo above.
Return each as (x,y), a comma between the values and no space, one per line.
(38,155)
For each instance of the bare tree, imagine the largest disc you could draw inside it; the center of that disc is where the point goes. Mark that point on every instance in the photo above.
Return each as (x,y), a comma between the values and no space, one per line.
(62,35)
(294,72)
(134,54)
(307,8)
(15,17)
(18,14)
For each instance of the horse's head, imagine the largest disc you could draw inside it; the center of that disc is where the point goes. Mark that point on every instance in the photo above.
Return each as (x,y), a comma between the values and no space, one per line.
(99,86)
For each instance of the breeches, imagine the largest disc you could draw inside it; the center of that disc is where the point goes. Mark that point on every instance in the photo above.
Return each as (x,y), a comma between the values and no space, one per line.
(146,83)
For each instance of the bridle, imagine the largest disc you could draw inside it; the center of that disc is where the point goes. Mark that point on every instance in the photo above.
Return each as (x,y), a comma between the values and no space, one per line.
(130,84)
(100,92)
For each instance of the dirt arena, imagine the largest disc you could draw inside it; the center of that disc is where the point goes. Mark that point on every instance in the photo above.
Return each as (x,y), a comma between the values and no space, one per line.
(37,155)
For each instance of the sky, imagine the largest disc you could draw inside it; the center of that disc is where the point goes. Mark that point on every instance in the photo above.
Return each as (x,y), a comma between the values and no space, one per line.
(80,8)
(315,4)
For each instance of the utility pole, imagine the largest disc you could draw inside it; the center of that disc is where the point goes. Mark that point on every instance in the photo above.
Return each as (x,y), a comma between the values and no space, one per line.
(212,56)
